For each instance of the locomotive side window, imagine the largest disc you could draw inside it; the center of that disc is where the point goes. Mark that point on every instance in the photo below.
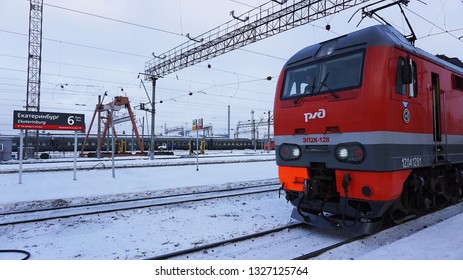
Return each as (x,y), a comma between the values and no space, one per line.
(341,72)
(400,87)
(457,82)
(406,72)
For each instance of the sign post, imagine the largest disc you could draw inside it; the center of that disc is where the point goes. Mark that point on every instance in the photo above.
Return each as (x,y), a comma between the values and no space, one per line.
(75,155)
(47,121)
(197,125)
(21,152)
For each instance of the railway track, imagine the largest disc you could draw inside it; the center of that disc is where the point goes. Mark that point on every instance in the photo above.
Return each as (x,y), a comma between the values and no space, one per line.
(185,252)
(243,241)
(296,241)
(88,165)
(318,252)
(320,248)
(39,215)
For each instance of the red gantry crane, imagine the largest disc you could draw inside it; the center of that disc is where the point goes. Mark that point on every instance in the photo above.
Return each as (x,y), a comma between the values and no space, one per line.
(118,103)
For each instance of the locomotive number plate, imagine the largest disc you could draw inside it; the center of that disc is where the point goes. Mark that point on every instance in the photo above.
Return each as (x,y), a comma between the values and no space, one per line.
(412,162)
(307,140)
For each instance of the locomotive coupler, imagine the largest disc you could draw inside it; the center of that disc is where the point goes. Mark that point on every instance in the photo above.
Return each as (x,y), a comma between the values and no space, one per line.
(311,188)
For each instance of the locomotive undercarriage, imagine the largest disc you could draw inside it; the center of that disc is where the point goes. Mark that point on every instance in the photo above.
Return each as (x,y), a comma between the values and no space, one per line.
(427,189)
(424,190)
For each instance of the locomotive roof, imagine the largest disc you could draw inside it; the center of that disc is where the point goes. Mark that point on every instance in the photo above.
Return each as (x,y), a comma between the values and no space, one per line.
(377,35)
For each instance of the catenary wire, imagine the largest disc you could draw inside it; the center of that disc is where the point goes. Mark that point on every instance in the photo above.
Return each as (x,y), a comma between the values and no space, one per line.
(115,20)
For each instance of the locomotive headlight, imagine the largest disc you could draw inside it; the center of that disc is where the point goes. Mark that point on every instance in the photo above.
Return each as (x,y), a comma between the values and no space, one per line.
(289,152)
(350,152)
(342,153)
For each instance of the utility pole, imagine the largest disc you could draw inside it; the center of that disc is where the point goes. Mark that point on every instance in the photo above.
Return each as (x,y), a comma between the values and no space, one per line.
(253,122)
(34,60)
(143,130)
(153,79)
(153,95)
(238,130)
(229,114)
(268,132)
(98,151)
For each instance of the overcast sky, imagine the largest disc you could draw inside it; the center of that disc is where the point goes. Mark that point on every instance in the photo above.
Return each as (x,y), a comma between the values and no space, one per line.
(87,51)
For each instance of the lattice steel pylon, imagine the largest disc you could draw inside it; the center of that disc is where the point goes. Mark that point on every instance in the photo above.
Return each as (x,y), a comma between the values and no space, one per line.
(262,22)
(35,55)
(34,58)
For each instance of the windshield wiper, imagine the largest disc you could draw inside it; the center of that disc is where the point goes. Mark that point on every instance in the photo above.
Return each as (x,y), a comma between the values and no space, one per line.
(323,84)
(312,87)
(308,90)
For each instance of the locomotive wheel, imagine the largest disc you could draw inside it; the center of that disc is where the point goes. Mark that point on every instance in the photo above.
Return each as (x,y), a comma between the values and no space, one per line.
(395,217)
(400,211)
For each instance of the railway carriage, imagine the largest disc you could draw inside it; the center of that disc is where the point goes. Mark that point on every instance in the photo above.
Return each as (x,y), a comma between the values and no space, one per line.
(65,143)
(368,129)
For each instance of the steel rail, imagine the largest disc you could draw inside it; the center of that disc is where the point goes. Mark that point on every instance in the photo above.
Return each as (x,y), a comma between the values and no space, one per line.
(85,210)
(224,242)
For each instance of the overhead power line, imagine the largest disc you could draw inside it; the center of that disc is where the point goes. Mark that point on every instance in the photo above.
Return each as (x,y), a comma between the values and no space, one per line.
(242,3)
(79,45)
(115,20)
(444,31)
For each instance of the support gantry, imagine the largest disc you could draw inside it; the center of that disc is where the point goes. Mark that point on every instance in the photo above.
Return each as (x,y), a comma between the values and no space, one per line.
(262,22)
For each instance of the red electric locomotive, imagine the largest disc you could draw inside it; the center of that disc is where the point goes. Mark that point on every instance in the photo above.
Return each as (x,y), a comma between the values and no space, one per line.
(368,129)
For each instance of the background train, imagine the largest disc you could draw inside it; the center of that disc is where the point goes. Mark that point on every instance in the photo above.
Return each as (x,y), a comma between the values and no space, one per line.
(368,130)
(65,143)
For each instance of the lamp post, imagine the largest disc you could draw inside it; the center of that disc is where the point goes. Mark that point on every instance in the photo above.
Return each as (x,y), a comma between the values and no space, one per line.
(268,130)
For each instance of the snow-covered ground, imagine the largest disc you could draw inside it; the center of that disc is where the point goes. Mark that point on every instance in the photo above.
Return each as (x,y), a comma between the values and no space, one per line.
(442,241)
(166,173)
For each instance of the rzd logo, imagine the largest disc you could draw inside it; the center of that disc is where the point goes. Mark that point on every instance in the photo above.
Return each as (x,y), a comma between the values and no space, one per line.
(320,114)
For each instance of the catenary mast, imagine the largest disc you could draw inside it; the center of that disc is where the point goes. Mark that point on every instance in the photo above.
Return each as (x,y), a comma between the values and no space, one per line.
(34,60)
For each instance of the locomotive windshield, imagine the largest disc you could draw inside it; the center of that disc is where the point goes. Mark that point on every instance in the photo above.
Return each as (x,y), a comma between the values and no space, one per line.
(324,76)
